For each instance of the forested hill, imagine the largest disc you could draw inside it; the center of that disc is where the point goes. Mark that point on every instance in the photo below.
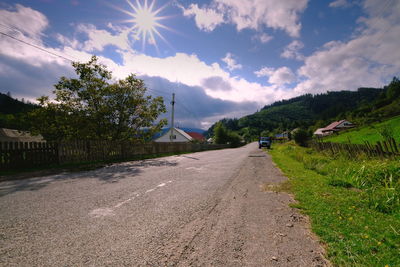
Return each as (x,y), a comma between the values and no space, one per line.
(13,112)
(312,111)
(9,105)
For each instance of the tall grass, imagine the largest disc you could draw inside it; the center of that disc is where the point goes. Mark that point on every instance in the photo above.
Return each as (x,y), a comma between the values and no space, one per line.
(353,203)
(379,180)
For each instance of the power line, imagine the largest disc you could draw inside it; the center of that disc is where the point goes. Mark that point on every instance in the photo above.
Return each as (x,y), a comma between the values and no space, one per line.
(35,46)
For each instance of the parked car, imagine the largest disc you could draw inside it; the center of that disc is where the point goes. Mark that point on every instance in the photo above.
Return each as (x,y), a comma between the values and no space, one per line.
(264,142)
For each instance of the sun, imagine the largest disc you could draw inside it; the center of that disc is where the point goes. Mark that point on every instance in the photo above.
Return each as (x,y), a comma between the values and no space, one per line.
(146,21)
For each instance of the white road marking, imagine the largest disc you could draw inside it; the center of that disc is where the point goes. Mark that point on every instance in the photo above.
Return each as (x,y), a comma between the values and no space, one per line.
(160,185)
(101,212)
(124,202)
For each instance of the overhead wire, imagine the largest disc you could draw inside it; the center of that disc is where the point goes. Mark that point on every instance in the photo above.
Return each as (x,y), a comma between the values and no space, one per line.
(36,46)
(154,92)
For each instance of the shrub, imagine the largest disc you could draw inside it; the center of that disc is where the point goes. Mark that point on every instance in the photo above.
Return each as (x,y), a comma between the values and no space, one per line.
(301,137)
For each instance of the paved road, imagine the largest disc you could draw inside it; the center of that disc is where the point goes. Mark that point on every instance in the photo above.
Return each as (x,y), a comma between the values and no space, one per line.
(200,209)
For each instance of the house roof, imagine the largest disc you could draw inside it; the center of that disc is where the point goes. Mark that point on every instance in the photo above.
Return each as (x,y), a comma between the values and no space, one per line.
(197,136)
(333,125)
(182,132)
(319,131)
(11,135)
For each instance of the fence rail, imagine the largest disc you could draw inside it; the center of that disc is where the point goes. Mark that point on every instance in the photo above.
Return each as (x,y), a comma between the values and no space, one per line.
(22,155)
(387,148)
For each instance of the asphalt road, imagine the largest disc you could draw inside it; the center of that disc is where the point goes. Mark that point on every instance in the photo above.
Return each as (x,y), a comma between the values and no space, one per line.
(200,209)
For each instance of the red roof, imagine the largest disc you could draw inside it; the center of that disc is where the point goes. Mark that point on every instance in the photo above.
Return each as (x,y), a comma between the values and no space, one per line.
(334,126)
(197,136)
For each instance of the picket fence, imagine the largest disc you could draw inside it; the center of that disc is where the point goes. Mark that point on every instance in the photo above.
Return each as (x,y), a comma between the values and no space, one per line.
(387,148)
(23,155)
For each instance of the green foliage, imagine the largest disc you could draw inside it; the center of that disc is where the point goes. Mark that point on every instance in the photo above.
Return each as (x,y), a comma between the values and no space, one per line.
(393,89)
(234,139)
(301,137)
(224,136)
(94,106)
(220,134)
(13,112)
(353,204)
(387,132)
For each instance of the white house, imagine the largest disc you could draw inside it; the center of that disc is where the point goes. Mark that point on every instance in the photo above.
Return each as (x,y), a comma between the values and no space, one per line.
(178,135)
(319,132)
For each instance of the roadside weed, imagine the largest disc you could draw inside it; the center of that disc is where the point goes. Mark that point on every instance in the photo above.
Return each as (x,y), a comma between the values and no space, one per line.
(353,204)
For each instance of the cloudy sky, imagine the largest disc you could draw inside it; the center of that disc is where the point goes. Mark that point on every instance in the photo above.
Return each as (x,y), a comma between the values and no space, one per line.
(222,58)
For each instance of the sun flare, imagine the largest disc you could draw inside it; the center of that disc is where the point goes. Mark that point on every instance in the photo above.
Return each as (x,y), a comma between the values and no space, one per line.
(146,21)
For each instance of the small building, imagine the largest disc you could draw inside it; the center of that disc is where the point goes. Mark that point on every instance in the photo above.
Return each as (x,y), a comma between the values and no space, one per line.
(319,132)
(11,135)
(334,127)
(178,135)
(337,126)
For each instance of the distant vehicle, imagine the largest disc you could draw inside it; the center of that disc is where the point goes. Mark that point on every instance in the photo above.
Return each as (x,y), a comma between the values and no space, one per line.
(264,142)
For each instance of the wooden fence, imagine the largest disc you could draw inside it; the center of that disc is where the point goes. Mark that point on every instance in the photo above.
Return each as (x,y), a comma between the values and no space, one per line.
(19,155)
(388,148)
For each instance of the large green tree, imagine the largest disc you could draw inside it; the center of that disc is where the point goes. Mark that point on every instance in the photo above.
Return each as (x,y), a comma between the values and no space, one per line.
(94,106)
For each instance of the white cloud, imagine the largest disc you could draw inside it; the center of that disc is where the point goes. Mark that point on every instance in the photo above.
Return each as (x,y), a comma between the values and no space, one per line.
(24,21)
(99,39)
(370,59)
(279,77)
(231,62)
(206,18)
(21,64)
(251,14)
(339,3)
(263,38)
(292,50)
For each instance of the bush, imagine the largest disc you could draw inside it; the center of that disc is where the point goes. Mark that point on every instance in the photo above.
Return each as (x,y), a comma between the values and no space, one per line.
(301,137)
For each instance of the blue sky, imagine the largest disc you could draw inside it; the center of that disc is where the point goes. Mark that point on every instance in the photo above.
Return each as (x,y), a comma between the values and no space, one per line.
(222,58)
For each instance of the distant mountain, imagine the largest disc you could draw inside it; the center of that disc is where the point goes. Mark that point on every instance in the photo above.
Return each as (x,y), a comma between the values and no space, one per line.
(9,105)
(311,111)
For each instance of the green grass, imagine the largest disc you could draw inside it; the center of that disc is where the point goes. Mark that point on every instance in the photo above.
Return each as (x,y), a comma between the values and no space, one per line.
(370,133)
(346,201)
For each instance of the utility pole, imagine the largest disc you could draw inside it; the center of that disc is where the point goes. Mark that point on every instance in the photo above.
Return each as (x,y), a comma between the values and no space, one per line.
(172,118)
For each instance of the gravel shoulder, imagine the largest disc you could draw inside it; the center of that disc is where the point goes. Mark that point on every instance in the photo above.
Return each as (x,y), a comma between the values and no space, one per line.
(206,208)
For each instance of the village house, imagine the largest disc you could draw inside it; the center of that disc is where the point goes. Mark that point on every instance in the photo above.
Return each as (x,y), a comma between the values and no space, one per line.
(11,135)
(334,127)
(174,135)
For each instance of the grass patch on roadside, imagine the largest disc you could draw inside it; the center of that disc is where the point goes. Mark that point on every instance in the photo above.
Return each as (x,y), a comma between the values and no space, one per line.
(353,204)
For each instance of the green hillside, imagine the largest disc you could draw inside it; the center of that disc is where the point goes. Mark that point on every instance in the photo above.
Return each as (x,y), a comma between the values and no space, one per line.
(362,107)
(13,112)
(371,133)
(303,111)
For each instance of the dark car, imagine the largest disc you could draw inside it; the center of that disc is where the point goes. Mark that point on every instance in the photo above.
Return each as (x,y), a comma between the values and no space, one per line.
(264,142)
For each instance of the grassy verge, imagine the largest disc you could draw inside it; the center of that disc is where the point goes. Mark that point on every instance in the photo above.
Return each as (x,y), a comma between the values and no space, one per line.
(370,133)
(353,204)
